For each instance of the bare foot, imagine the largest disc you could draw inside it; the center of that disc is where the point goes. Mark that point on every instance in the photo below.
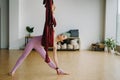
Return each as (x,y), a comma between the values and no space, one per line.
(61,72)
(10,74)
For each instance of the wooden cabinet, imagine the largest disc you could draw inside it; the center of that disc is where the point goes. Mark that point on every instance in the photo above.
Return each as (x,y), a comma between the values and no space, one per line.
(70,44)
(27,38)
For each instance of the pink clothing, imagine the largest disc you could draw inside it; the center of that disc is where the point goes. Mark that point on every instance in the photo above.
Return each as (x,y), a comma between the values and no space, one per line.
(34,43)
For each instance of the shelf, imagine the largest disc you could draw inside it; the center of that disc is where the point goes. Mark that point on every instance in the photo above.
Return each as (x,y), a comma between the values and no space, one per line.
(67,49)
(50,49)
(70,44)
(73,38)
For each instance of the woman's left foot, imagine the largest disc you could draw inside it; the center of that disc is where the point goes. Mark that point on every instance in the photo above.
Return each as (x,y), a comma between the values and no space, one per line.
(10,74)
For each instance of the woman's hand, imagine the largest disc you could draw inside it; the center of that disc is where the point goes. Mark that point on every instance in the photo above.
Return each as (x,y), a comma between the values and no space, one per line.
(61,72)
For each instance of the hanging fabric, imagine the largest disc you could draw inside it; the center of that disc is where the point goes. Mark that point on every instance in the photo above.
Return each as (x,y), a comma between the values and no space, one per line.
(50,23)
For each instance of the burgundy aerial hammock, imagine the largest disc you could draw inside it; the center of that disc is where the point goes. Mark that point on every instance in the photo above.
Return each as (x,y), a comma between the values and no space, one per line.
(50,23)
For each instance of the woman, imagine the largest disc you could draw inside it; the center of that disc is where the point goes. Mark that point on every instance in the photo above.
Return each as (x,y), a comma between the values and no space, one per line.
(35,43)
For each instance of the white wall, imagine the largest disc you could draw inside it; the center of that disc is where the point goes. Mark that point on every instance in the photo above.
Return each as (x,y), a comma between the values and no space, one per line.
(85,15)
(31,14)
(118,24)
(4,24)
(111,19)
(14,21)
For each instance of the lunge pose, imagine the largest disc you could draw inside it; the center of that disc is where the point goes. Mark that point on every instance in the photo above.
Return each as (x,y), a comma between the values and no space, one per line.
(35,43)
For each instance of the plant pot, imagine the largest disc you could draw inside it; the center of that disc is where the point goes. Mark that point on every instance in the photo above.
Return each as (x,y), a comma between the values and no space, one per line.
(106,49)
(110,50)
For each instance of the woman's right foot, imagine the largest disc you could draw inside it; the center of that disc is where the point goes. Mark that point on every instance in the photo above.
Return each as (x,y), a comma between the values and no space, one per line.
(61,72)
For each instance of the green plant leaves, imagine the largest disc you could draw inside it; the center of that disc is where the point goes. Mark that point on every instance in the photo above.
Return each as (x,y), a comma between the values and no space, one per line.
(29,29)
(109,42)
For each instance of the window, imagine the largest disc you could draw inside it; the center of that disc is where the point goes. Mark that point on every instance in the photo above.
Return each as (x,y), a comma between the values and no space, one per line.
(118,23)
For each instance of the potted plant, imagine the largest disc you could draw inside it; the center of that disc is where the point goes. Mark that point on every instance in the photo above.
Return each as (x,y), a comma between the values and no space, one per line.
(29,30)
(110,44)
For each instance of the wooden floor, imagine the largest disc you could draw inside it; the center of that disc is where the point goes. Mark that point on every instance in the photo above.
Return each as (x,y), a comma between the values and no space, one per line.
(83,65)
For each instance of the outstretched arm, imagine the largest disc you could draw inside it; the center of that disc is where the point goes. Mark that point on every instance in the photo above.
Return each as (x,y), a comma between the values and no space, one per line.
(55,58)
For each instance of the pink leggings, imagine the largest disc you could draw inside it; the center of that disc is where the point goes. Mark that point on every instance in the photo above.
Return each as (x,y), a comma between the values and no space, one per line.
(34,43)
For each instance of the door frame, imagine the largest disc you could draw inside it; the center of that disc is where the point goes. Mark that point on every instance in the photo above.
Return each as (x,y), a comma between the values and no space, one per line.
(0,28)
